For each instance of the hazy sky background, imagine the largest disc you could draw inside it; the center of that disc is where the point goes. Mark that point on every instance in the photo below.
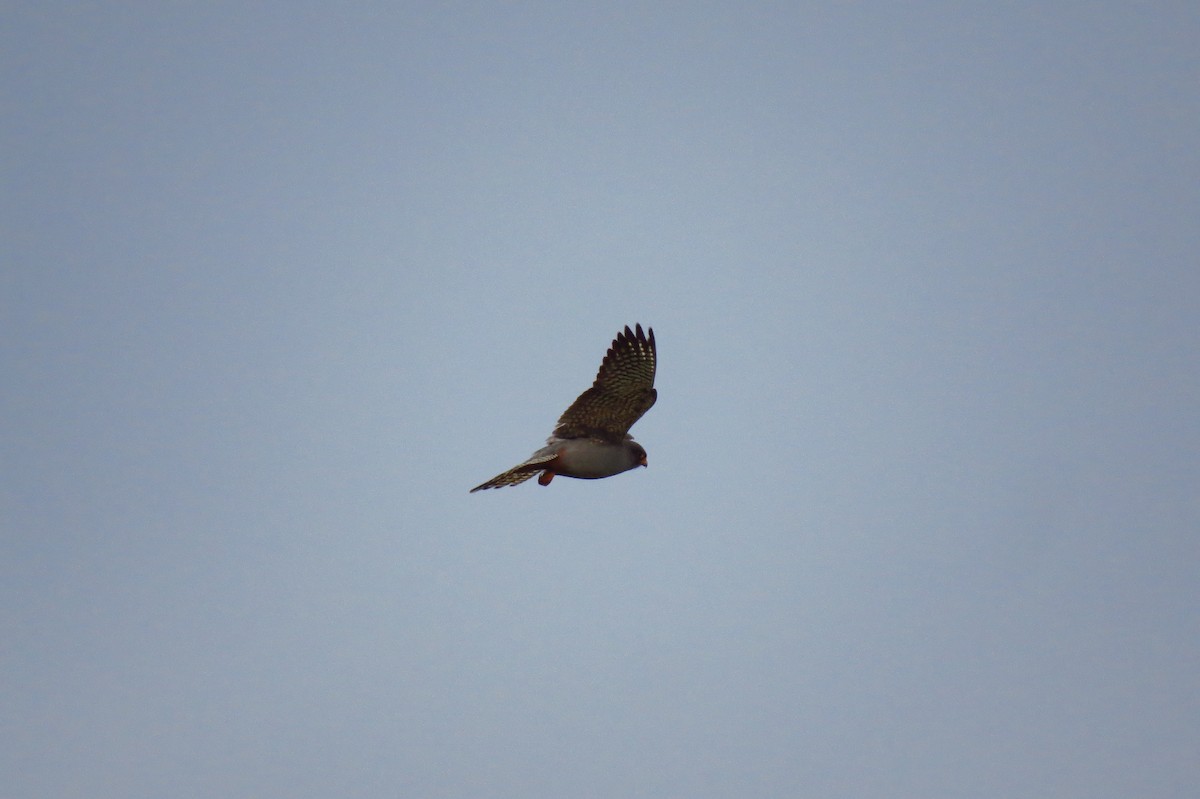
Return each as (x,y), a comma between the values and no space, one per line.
(282,281)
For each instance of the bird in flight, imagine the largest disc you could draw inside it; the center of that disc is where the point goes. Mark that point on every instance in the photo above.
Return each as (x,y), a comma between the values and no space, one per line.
(591,439)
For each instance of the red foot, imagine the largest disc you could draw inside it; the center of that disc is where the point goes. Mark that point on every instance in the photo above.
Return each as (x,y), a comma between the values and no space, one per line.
(545,477)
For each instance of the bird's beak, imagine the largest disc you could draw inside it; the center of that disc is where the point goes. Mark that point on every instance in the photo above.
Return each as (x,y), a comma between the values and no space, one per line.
(642,461)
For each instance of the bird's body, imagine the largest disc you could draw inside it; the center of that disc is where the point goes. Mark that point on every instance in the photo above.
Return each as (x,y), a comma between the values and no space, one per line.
(591,439)
(588,458)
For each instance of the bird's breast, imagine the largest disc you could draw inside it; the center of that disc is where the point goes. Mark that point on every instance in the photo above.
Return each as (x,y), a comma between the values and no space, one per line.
(593,459)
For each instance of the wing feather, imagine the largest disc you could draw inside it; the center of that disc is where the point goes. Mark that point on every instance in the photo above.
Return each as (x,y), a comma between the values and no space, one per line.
(622,392)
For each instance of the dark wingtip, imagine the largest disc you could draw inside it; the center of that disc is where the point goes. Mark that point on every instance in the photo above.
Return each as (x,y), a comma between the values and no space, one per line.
(638,334)
(627,335)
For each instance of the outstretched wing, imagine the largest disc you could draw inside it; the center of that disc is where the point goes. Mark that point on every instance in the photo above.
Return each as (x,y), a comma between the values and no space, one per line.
(623,391)
(517,474)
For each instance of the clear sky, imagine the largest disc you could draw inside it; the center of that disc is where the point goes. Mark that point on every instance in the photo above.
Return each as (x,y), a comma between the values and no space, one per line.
(282,281)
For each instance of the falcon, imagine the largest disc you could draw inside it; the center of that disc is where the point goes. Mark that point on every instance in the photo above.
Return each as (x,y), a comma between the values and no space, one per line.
(591,439)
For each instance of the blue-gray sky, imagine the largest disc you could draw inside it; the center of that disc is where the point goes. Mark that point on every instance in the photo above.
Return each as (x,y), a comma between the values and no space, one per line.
(283,281)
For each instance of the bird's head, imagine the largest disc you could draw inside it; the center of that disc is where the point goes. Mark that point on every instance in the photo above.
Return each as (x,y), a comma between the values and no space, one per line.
(637,453)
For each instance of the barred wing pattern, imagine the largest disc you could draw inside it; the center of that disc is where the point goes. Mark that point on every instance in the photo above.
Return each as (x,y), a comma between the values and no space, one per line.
(622,392)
